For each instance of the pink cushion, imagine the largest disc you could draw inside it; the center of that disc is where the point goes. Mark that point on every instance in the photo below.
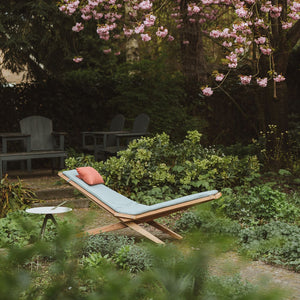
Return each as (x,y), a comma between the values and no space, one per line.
(89,175)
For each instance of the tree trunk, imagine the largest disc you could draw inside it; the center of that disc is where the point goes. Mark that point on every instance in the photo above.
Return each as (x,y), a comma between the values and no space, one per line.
(194,65)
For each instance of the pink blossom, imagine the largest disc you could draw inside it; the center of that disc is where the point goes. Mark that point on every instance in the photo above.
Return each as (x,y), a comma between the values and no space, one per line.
(260,23)
(106,51)
(260,40)
(77,59)
(86,17)
(294,16)
(232,65)
(78,27)
(139,29)
(220,77)
(266,8)
(145,37)
(275,11)
(227,44)
(127,32)
(265,51)
(240,39)
(279,78)
(215,33)
(240,50)
(149,21)
(287,25)
(262,81)
(145,5)
(117,53)
(97,16)
(207,91)
(170,38)
(242,12)
(162,32)
(185,42)
(245,79)
(295,6)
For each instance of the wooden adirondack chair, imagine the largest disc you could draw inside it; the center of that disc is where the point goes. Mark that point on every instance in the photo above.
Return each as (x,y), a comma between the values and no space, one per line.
(99,140)
(139,129)
(40,142)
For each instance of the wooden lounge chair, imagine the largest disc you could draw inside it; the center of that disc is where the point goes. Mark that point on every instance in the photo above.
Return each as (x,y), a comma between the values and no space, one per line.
(130,213)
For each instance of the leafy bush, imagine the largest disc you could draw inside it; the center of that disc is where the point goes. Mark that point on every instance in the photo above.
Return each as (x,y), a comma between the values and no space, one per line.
(133,258)
(17,229)
(276,242)
(105,244)
(227,288)
(151,164)
(20,228)
(95,260)
(207,221)
(13,196)
(257,205)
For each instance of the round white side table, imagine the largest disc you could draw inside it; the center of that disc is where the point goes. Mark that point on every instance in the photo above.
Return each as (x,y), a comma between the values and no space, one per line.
(48,211)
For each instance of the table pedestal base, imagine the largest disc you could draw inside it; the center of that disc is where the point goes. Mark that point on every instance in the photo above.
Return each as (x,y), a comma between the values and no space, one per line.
(47,217)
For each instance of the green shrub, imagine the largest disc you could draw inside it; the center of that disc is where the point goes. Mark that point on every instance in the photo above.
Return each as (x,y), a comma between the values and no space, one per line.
(95,260)
(133,258)
(20,228)
(154,163)
(276,242)
(105,244)
(227,288)
(208,222)
(257,205)
(188,221)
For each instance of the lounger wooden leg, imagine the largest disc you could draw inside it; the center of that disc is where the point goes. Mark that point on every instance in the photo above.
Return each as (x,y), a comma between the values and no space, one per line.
(144,232)
(165,229)
(107,228)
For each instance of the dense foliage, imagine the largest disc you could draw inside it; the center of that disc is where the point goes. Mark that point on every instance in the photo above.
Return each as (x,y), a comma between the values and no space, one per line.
(156,169)
(58,270)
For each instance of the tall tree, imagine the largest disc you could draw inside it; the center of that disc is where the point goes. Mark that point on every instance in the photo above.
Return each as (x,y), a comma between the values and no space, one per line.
(35,36)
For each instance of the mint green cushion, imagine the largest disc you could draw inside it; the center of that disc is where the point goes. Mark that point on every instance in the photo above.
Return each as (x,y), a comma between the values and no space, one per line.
(124,205)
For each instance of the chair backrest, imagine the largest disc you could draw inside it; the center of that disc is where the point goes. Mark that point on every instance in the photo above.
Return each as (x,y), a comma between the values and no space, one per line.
(141,123)
(117,124)
(40,130)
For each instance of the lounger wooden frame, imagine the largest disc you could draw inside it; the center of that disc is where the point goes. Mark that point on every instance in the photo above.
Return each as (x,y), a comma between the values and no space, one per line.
(133,221)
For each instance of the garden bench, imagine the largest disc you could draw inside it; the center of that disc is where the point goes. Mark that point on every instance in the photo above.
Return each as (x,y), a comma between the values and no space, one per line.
(18,156)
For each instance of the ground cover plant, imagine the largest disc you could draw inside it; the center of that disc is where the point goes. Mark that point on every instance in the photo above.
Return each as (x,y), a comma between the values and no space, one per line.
(62,269)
